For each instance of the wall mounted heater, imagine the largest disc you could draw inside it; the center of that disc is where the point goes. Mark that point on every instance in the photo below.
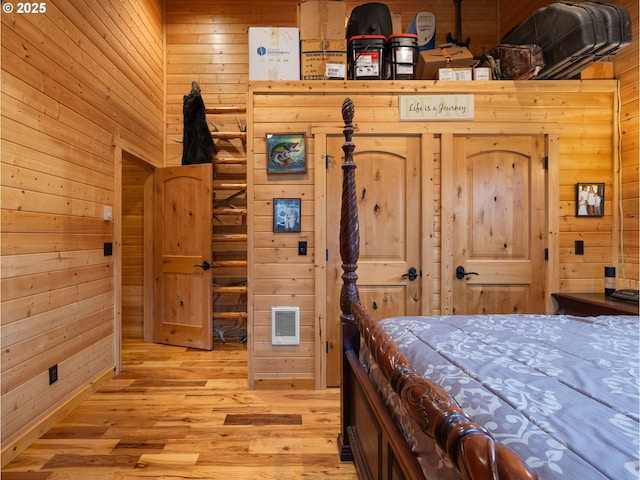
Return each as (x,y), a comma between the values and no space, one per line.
(285,325)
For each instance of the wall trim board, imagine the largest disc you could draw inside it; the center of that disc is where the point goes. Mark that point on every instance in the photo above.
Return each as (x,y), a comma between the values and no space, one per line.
(14,447)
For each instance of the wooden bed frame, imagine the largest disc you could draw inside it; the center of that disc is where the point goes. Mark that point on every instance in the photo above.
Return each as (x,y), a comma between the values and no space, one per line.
(369,435)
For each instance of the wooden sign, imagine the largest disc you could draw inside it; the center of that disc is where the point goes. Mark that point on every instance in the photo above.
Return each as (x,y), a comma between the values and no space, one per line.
(436,107)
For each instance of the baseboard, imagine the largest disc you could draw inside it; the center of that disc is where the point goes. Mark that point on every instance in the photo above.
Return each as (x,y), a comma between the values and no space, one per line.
(16,446)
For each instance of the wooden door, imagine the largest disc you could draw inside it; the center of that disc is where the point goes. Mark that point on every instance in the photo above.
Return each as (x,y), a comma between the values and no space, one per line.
(496,203)
(389,198)
(182,255)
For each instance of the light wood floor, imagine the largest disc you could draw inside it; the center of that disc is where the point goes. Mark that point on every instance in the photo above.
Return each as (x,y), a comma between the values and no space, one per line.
(175,413)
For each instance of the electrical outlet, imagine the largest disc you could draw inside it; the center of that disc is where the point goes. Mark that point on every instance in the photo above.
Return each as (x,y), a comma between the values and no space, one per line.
(578,247)
(302,248)
(108,249)
(53,374)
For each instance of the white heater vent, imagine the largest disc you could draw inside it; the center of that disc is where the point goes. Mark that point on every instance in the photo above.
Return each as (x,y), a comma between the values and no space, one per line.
(285,325)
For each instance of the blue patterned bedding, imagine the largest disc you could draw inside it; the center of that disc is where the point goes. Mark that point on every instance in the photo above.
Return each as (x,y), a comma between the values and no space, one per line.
(561,391)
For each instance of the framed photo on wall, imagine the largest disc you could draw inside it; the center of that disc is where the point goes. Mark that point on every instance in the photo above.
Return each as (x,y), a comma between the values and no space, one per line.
(286,153)
(589,199)
(286,215)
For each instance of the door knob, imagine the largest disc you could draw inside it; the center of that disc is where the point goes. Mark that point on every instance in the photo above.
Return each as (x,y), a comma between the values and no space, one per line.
(412,274)
(460,273)
(204,266)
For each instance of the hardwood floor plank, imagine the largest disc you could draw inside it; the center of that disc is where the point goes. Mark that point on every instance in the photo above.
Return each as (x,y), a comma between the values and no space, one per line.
(89,446)
(26,476)
(263,419)
(66,461)
(140,448)
(176,413)
(75,432)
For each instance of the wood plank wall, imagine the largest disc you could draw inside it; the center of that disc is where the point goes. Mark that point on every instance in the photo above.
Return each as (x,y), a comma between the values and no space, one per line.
(134,176)
(75,80)
(627,72)
(207,42)
(584,110)
(86,74)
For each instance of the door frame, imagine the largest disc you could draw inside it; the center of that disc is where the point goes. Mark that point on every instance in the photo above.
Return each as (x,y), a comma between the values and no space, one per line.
(122,147)
(493,271)
(550,136)
(428,131)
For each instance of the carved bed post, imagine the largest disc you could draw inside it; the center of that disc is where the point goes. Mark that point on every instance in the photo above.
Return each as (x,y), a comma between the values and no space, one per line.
(349,252)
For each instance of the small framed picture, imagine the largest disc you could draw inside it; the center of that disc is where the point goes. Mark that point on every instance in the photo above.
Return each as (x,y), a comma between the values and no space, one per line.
(589,199)
(286,153)
(286,215)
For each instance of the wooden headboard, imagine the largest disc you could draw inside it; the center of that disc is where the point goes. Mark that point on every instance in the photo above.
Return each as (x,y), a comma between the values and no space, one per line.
(469,446)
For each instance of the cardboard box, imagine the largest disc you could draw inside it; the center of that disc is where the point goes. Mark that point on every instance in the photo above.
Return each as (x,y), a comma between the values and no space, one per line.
(482,73)
(461,73)
(430,61)
(322,19)
(323,59)
(274,53)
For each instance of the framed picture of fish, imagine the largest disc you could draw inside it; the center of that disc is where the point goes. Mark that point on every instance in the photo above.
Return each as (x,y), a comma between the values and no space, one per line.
(286,215)
(286,153)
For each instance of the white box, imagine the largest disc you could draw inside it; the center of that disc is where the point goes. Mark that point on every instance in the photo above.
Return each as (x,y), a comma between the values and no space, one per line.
(274,53)
(482,73)
(455,74)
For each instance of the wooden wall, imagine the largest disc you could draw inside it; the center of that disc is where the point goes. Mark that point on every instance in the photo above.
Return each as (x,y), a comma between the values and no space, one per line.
(76,80)
(584,112)
(135,176)
(626,70)
(85,76)
(207,42)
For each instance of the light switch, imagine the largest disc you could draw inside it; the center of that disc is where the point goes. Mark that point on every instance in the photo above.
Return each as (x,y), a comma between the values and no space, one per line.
(107,213)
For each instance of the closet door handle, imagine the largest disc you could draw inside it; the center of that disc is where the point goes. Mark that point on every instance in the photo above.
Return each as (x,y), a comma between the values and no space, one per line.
(412,274)
(460,272)
(204,265)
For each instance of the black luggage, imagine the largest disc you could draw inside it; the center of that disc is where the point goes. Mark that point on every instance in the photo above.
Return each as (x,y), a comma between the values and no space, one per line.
(370,19)
(565,31)
(617,21)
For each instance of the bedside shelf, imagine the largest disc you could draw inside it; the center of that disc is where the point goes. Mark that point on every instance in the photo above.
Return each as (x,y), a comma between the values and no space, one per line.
(588,304)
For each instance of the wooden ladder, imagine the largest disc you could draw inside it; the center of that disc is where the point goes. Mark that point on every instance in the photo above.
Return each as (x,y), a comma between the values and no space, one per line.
(229,231)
